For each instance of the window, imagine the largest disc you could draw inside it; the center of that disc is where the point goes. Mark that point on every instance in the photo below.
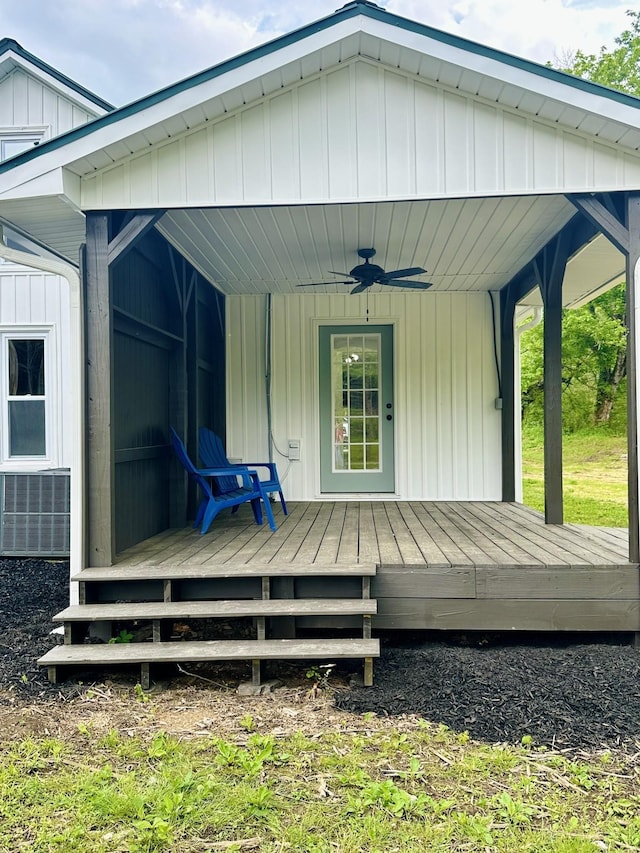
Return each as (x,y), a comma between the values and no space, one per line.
(27,396)
(15,143)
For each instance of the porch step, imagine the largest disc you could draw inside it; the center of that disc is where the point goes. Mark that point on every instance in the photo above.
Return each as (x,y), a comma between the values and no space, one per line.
(120,611)
(225,570)
(267,593)
(197,651)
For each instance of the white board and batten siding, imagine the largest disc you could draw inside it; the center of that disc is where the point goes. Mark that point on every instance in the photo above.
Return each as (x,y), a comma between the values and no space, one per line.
(447,428)
(362,131)
(26,102)
(33,302)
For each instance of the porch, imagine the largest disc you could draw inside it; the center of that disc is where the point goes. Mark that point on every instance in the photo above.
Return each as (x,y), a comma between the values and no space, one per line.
(469,565)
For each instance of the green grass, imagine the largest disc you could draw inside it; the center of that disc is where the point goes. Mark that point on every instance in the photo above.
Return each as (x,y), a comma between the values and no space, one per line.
(383,790)
(595,476)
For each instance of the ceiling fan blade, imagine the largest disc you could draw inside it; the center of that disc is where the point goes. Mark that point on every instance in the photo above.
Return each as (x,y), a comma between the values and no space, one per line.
(323,283)
(359,288)
(401,273)
(333,272)
(413,285)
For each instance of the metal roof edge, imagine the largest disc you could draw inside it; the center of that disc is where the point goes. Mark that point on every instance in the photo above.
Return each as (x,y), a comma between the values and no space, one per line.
(350,10)
(9,44)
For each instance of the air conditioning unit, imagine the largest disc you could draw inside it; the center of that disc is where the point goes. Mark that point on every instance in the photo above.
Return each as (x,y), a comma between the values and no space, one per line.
(34,515)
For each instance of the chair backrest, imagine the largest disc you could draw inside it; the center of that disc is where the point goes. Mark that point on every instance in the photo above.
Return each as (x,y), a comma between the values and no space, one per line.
(211,449)
(212,455)
(181,452)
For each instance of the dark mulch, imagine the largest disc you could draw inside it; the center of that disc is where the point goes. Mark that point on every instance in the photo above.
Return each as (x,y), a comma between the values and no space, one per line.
(562,691)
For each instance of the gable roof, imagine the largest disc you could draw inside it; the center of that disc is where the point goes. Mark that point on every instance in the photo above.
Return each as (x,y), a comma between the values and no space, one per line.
(13,55)
(498,132)
(384,37)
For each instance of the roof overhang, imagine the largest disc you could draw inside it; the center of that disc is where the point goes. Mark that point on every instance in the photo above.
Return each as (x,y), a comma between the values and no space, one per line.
(466,243)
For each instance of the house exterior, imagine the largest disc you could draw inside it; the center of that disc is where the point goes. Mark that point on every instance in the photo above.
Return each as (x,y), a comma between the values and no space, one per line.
(37,103)
(218,223)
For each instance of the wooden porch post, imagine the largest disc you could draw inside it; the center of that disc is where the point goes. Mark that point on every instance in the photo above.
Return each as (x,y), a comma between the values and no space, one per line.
(507,372)
(633,372)
(98,349)
(622,227)
(550,274)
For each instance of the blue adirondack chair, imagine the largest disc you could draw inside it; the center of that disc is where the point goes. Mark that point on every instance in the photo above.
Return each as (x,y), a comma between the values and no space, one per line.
(212,453)
(220,491)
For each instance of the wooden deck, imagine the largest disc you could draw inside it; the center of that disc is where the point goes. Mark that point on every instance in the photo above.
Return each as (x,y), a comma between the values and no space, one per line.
(461,566)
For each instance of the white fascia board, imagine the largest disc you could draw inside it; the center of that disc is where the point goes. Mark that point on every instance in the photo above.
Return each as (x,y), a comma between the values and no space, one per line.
(493,68)
(167,108)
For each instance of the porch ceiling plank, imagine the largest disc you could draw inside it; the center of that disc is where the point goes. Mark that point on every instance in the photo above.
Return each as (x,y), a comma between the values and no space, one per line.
(503,538)
(580,231)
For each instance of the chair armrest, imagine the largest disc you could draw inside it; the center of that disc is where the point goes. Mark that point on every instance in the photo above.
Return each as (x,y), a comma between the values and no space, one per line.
(270,465)
(224,472)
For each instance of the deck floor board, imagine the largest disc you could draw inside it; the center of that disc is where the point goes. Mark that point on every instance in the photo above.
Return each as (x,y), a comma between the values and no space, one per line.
(388,533)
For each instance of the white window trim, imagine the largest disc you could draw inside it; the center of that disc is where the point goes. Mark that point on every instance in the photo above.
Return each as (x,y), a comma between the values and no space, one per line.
(51,397)
(37,133)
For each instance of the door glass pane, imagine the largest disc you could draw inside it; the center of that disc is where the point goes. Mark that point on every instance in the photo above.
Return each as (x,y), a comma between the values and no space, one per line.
(355,366)
(26,428)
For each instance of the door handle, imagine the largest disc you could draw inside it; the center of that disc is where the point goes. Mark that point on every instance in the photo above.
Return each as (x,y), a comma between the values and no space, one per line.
(389,417)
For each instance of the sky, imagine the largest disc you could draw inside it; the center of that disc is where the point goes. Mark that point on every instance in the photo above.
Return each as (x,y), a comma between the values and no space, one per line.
(122,50)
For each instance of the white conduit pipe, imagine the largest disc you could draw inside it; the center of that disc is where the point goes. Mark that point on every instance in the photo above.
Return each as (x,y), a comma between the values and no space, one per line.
(76,367)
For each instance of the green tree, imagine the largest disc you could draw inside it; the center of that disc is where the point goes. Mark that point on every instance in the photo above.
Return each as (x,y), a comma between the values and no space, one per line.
(618,68)
(593,361)
(594,344)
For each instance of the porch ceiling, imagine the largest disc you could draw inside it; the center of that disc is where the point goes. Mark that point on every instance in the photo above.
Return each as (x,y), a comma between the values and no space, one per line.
(471,244)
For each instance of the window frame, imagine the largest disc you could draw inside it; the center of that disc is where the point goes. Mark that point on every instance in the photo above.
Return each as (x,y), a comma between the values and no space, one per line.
(45,333)
(35,135)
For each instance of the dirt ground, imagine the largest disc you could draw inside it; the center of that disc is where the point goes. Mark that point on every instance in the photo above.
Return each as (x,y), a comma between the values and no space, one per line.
(566,692)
